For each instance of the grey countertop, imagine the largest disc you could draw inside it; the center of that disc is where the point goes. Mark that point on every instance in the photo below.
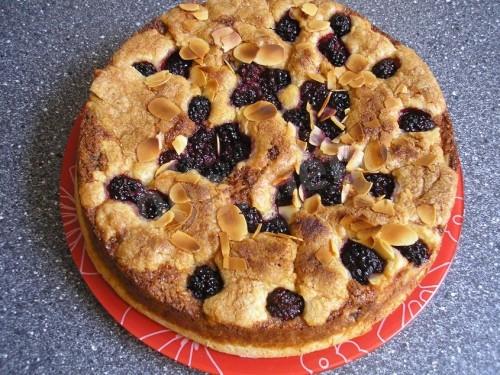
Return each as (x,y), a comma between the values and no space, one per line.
(51,323)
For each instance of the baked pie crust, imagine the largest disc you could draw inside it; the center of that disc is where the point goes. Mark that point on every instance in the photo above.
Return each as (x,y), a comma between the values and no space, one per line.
(342,256)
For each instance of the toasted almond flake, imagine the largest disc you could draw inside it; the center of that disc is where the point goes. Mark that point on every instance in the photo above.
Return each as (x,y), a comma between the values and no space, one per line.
(295,198)
(393,103)
(383,249)
(309,110)
(356,132)
(360,183)
(312,204)
(191,177)
(246,52)
(232,221)
(211,89)
(224,244)
(310,9)
(221,32)
(325,103)
(287,236)
(398,234)
(344,152)
(165,167)
(369,77)
(190,7)
(217,144)
(346,139)
(257,230)
(360,225)
(324,255)
(367,233)
(427,213)
(199,47)
(187,53)
(184,241)
(179,143)
(317,77)
(301,144)
(201,15)
(280,179)
(198,76)
(163,108)
(328,113)
(426,160)
(182,212)
(384,206)
(270,55)
(329,148)
(356,62)
(331,80)
(178,194)
(316,136)
(375,123)
(336,121)
(317,25)
(302,193)
(375,156)
(346,78)
(346,188)
(287,212)
(225,263)
(355,160)
(228,64)
(346,221)
(291,130)
(164,219)
(237,264)
(230,41)
(157,79)
(363,201)
(357,81)
(260,111)
(368,242)
(148,150)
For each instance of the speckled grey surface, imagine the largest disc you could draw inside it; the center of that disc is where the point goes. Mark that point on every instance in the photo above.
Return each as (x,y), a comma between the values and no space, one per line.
(51,323)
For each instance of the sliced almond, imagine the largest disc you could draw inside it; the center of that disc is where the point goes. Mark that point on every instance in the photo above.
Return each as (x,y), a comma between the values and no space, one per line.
(426,160)
(199,47)
(427,213)
(246,52)
(360,183)
(383,249)
(260,111)
(346,78)
(317,77)
(346,188)
(295,198)
(187,53)
(287,212)
(336,121)
(182,212)
(184,241)
(179,143)
(317,25)
(191,177)
(344,152)
(363,201)
(198,76)
(232,221)
(356,62)
(163,108)
(316,136)
(357,81)
(237,264)
(201,15)
(148,150)
(301,144)
(369,78)
(310,9)
(398,234)
(384,206)
(286,236)
(393,103)
(375,156)
(257,231)
(230,41)
(329,148)
(211,89)
(270,55)
(178,194)
(367,233)
(157,79)
(190,7)
(221,32)
(312,204)
(355,160)
(325,103)
(164,219)
(360,225)
(331,79)
(356,132)
(324,255)
(224,244)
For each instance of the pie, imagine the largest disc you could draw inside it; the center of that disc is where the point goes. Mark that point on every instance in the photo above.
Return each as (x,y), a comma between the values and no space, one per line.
(267,178)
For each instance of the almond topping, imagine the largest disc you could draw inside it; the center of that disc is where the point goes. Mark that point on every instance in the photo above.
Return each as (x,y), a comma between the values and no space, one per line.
(163,108)
(324,255)
(182,212)
(211,89)
(187,53)
(384,249)
(178,194)
(257,231)
(270,54)
(346,188)
(393,103)
(287,212)
(237,264)
(301,144)
(366,234)
(230,41)
(157,79)
(317,25)
(219,33)
(224,244)
(356,132)
(232,221)
(329,148)
(295,198)
(179,144)
(199,47)
(198,76)
(369,77)
(360,225)
(201,15)
(316,137)
(356,62)
(363,201)
(246,52)
(398,235)
(360,183)
(427,213)
(375,156)
(384,206)
(316,77)
(312,204)
(184,241)
(148,150)
(164,220)
(426,160)
(190,177)
(310,9)
(189,7)
(325,103)
(355,160)
(357,81)
(346,78)
(260,111)
(331,78)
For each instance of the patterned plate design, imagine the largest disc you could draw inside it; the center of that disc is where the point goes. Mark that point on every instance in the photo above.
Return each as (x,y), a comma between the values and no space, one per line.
(202,358)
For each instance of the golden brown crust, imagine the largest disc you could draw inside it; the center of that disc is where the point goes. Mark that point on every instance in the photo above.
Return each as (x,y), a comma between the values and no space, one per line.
(142,262)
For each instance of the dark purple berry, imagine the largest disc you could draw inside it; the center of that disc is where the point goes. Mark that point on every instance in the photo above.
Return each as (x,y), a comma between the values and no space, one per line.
(331,195)
(312,175)
(199,109)
(200,152)
(217,171)
(301,119)
(245,94)
(205,282)
(167,156)
(361,261)
(275,225)
(234,145)
(333,49)
(415,120)
(341,24)
(324,178)
(284,193)
(252,216)
(152,204)
(251,73)
(313,92)
(175,64)
(386,68)
(340,101)
(145,68)
(418,253)
(124,188)
(284,304)
(331,130)
(383,184)
(287,28)
(269,95)
(278,78)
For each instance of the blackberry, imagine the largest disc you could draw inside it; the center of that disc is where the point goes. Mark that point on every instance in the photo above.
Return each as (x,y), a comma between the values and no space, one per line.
(301,119)
(313,92)
(199,109)
(333,49)
(331,195)
(167,156)
(252,216)
(418,253)
(234,145)
(124,188)
(145,68)
(284,193)
(284,304)
(341,24)
(415,120)
(383,184)
(200,152)
(386,68)
(287,28)
(340,100)
(312,175)
(334,170)
(269,95)
(153,204)
(331,130)
(278,78)
(251,73)
(245,94)
(175,64)
(205,282)
(217,171)
(275,225)
(361,261)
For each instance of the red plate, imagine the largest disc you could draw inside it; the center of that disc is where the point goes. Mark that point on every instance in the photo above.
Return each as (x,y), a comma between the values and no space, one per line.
(202,358)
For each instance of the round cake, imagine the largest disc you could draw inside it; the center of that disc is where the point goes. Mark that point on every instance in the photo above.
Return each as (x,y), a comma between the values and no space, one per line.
(267,178)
